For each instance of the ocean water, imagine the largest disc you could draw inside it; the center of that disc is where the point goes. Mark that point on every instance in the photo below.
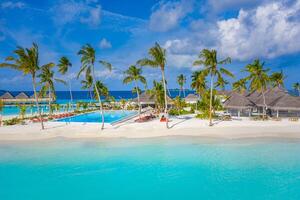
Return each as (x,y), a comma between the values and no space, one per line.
(163,168)
(95,117)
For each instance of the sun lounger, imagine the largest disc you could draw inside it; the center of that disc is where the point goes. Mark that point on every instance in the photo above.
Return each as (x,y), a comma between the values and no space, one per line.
(294,119)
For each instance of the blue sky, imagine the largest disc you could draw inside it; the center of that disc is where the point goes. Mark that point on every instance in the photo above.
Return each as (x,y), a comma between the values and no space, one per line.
(122,31)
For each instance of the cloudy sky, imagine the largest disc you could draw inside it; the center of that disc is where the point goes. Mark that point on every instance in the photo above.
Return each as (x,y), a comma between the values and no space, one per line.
(122,31)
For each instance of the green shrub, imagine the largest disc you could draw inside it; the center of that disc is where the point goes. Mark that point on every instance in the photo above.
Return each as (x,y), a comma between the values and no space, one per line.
(12,121)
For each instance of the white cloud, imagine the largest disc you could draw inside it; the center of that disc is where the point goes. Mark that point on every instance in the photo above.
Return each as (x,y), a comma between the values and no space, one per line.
(72,11)
(219,6)
(267,31)
(168,15)
(105,44)
(12,5)
(106,74)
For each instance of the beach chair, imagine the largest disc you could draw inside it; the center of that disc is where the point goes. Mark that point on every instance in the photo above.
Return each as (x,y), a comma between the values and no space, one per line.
(294,119)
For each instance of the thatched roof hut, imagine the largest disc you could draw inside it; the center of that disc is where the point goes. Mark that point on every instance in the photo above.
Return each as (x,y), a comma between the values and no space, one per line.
(224,92)
(191,98)
(22,95)
(146,98)
(286,102)
(271,95)
(238,101)
(7,95)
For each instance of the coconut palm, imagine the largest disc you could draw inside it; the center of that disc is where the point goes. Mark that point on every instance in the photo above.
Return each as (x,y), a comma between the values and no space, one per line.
(296,87)
(134,74)
(181,80)
(47,80)
(277,79)
(27,61)
(259,79)
(157,92)
(158,60)
(88,84)
(88,59)
(199,82)
(63,67)
(240,86)
(221,83)
(208,58)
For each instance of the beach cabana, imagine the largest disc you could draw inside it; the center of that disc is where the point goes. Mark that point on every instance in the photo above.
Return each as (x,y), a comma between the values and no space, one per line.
(7,95)
(238,102)
(22,95)
(191,98)
(286,103)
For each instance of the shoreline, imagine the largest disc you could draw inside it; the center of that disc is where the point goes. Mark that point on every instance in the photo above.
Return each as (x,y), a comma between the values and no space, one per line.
(180,127)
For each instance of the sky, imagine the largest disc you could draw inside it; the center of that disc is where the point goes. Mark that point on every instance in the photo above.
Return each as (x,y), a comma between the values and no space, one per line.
(122,31)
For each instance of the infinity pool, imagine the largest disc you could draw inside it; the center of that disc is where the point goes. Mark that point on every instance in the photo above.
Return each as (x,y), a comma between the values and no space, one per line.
(95,117)
(163,168)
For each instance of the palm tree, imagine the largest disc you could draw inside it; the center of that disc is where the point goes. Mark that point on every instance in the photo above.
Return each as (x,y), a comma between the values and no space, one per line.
(158,60)
(181,80)
(63,67)
(134,74)
(199,81)
(157,92)
(277,79)
(240,86)
(47,79)
(88,84)
(259,79)
(296,87)
(208,58)
(27,61)
(88,58)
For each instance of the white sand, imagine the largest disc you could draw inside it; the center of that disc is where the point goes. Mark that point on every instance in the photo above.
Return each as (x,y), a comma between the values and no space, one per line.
(186,126)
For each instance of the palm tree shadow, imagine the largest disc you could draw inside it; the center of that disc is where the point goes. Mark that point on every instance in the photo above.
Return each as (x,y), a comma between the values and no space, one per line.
(181,121)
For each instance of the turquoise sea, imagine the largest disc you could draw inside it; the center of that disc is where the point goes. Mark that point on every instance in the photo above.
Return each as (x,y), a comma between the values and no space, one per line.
(162,168)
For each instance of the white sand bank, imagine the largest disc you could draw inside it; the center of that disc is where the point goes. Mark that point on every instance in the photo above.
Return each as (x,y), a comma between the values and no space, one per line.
(186,126)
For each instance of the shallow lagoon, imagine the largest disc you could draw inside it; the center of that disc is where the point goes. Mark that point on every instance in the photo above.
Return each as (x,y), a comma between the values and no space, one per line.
(162,168)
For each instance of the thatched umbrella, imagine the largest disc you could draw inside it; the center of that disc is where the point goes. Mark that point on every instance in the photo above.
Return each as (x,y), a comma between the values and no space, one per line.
(22,95)
(7,95)
(238,101)
(191,98)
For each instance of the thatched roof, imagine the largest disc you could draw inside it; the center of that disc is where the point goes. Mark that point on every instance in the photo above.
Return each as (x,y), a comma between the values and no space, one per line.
(191,98)
(286,102)
(21,95)
(238,101)
(146,98)
(224,92)
(271,95)
(7,95)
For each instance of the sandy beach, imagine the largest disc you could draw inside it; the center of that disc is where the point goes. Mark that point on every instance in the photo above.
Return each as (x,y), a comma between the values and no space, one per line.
(183,126)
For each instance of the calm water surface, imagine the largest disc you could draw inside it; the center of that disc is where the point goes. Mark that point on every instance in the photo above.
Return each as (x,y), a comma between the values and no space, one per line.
(164,168)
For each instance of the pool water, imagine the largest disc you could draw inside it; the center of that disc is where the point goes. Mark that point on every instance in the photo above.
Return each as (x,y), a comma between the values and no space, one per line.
(164,168)
(95,117)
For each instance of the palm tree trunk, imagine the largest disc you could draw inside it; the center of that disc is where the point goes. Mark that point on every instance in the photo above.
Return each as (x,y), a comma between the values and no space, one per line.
(183,91)
(37,102)
(264,101)
(49,102)
(138,96)
(99,100)
(71,95)
(210,99)
(166,100)
(179,93)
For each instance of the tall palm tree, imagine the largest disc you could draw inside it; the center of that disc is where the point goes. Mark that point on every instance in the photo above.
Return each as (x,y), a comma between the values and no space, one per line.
(88,59)
(88,84)
(47,79)
(277,79)
(208,58)
(158,60)
(181,80)
(63,67)
(259,79)
(240,86)
(27,61)
(199,81)
(134,74)
(296,87)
